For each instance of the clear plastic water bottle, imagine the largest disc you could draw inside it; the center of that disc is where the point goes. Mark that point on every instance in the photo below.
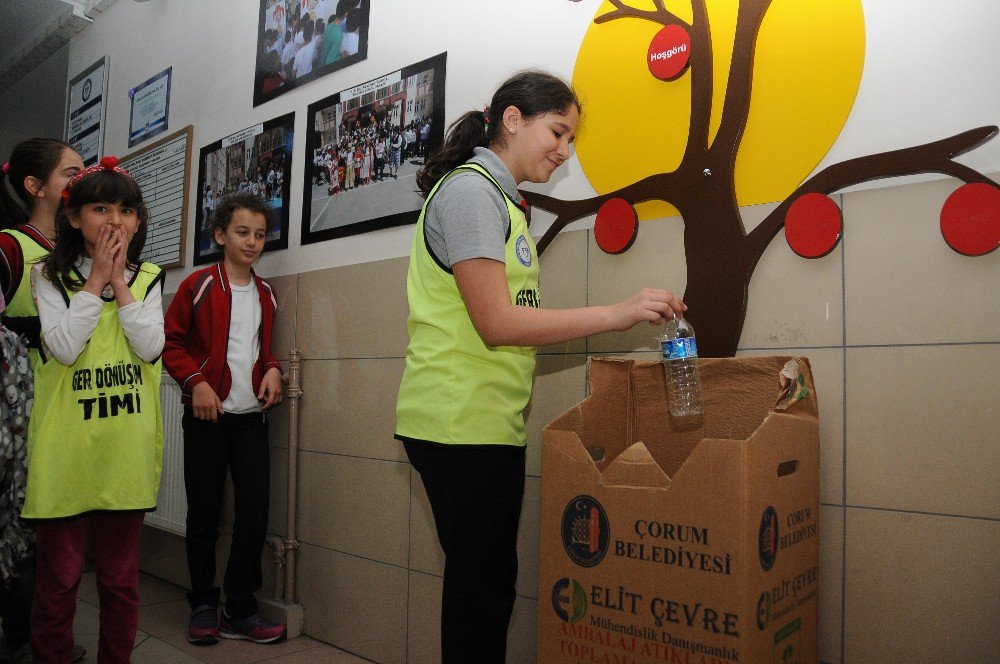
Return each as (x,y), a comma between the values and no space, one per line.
(680,359)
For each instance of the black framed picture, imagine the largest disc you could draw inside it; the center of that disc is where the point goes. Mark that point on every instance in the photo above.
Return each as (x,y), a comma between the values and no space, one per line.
(257,160)
(301,40)
(364,146)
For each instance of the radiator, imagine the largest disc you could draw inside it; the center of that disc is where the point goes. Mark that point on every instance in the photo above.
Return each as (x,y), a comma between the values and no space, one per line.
(171,503)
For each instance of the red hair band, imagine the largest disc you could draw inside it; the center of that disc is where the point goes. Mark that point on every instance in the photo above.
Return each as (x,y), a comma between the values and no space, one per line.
(108,163)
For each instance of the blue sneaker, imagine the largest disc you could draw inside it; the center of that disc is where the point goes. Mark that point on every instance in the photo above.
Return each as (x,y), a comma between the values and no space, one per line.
(256,628)
(203,625)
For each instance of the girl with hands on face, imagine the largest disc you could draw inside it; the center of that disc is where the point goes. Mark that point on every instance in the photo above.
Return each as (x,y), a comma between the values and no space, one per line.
(96,431)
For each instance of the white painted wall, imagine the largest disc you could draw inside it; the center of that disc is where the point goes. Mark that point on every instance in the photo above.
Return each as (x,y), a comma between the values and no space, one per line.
(928,74)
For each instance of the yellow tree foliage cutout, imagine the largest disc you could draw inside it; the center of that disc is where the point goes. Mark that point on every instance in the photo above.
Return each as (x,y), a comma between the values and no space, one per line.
(671,127)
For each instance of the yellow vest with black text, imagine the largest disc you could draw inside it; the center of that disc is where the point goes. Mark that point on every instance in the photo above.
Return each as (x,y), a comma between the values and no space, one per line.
(95,440)
(21,314)
(455,388)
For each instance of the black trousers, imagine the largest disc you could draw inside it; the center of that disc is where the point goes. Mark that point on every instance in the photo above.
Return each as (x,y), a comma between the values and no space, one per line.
(475,493)
(238,443)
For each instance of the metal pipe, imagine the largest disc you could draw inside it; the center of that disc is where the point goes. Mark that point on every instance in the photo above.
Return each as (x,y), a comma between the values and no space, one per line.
(291,543)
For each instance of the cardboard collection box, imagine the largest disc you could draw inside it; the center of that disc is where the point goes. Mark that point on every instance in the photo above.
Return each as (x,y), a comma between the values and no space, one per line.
(695,544)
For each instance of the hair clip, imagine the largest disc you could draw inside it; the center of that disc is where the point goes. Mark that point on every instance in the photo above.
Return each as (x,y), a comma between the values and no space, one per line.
(6,167)
(486,116)
(108,163)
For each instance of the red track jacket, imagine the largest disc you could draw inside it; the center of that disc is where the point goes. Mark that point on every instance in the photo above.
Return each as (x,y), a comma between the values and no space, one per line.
(197,332)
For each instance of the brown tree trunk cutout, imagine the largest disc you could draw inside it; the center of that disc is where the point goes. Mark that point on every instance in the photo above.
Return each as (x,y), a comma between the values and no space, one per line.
(721,255)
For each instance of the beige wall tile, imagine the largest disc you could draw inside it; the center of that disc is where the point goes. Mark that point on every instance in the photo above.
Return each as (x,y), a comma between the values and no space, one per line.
(358,506)
(277,422)
(563,281)
(424,625)
(163,555)
(922,428)
(269,574)
(278,513)
(522,636)
(792,301)
(920,588)
(656,260)
(903,283)
(349,407)
(355,604)
(286,290)
(560,384)
(353,311)
(828,375)
(831,575)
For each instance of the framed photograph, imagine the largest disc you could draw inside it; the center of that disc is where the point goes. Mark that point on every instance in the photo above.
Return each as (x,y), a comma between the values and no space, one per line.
(85,107)
(257,160)
(364,146)
(301,40)
(150,105)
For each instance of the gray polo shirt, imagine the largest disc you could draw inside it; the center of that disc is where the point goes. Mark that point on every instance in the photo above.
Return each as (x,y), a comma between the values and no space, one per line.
(467,217)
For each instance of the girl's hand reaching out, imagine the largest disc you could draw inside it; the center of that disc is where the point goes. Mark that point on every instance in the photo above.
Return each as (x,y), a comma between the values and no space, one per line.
(650,304)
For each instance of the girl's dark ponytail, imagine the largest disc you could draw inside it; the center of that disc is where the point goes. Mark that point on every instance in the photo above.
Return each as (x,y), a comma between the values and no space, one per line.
(468,132)
(532,92)
(34,157)
(11,212)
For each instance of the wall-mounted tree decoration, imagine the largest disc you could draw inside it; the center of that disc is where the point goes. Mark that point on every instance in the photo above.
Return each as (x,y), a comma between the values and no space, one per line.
(700,176)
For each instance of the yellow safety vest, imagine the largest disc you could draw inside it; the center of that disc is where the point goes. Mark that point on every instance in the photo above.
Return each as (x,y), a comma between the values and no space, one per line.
(21,314)
(95,440)
(455,388)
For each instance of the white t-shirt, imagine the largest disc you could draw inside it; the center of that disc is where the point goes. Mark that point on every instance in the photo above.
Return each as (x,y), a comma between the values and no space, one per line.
(304,59)
(349,44)
(244,348)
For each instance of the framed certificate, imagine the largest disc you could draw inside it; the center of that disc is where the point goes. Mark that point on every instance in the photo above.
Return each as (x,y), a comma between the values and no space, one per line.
(85,111)
(162,169)
(150,105)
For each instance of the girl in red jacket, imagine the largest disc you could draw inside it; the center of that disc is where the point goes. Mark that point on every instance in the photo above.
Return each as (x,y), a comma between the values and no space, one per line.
(218,349)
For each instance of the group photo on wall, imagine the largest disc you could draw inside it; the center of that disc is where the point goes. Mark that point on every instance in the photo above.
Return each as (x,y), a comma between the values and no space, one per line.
(364,146)
(256,160)
(301,40)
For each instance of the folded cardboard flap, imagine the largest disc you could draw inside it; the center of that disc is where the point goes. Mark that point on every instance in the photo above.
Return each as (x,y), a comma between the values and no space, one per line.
(635,467)
(627,411)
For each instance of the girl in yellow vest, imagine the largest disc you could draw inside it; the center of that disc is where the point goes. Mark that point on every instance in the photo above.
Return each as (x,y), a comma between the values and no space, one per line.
(95,437)
(31,184)
(474,322)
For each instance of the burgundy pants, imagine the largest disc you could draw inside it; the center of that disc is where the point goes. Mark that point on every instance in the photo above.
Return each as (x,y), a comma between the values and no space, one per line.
(60,549)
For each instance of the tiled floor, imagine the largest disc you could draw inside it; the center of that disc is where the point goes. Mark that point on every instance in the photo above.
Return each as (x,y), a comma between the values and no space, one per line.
(162,637)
